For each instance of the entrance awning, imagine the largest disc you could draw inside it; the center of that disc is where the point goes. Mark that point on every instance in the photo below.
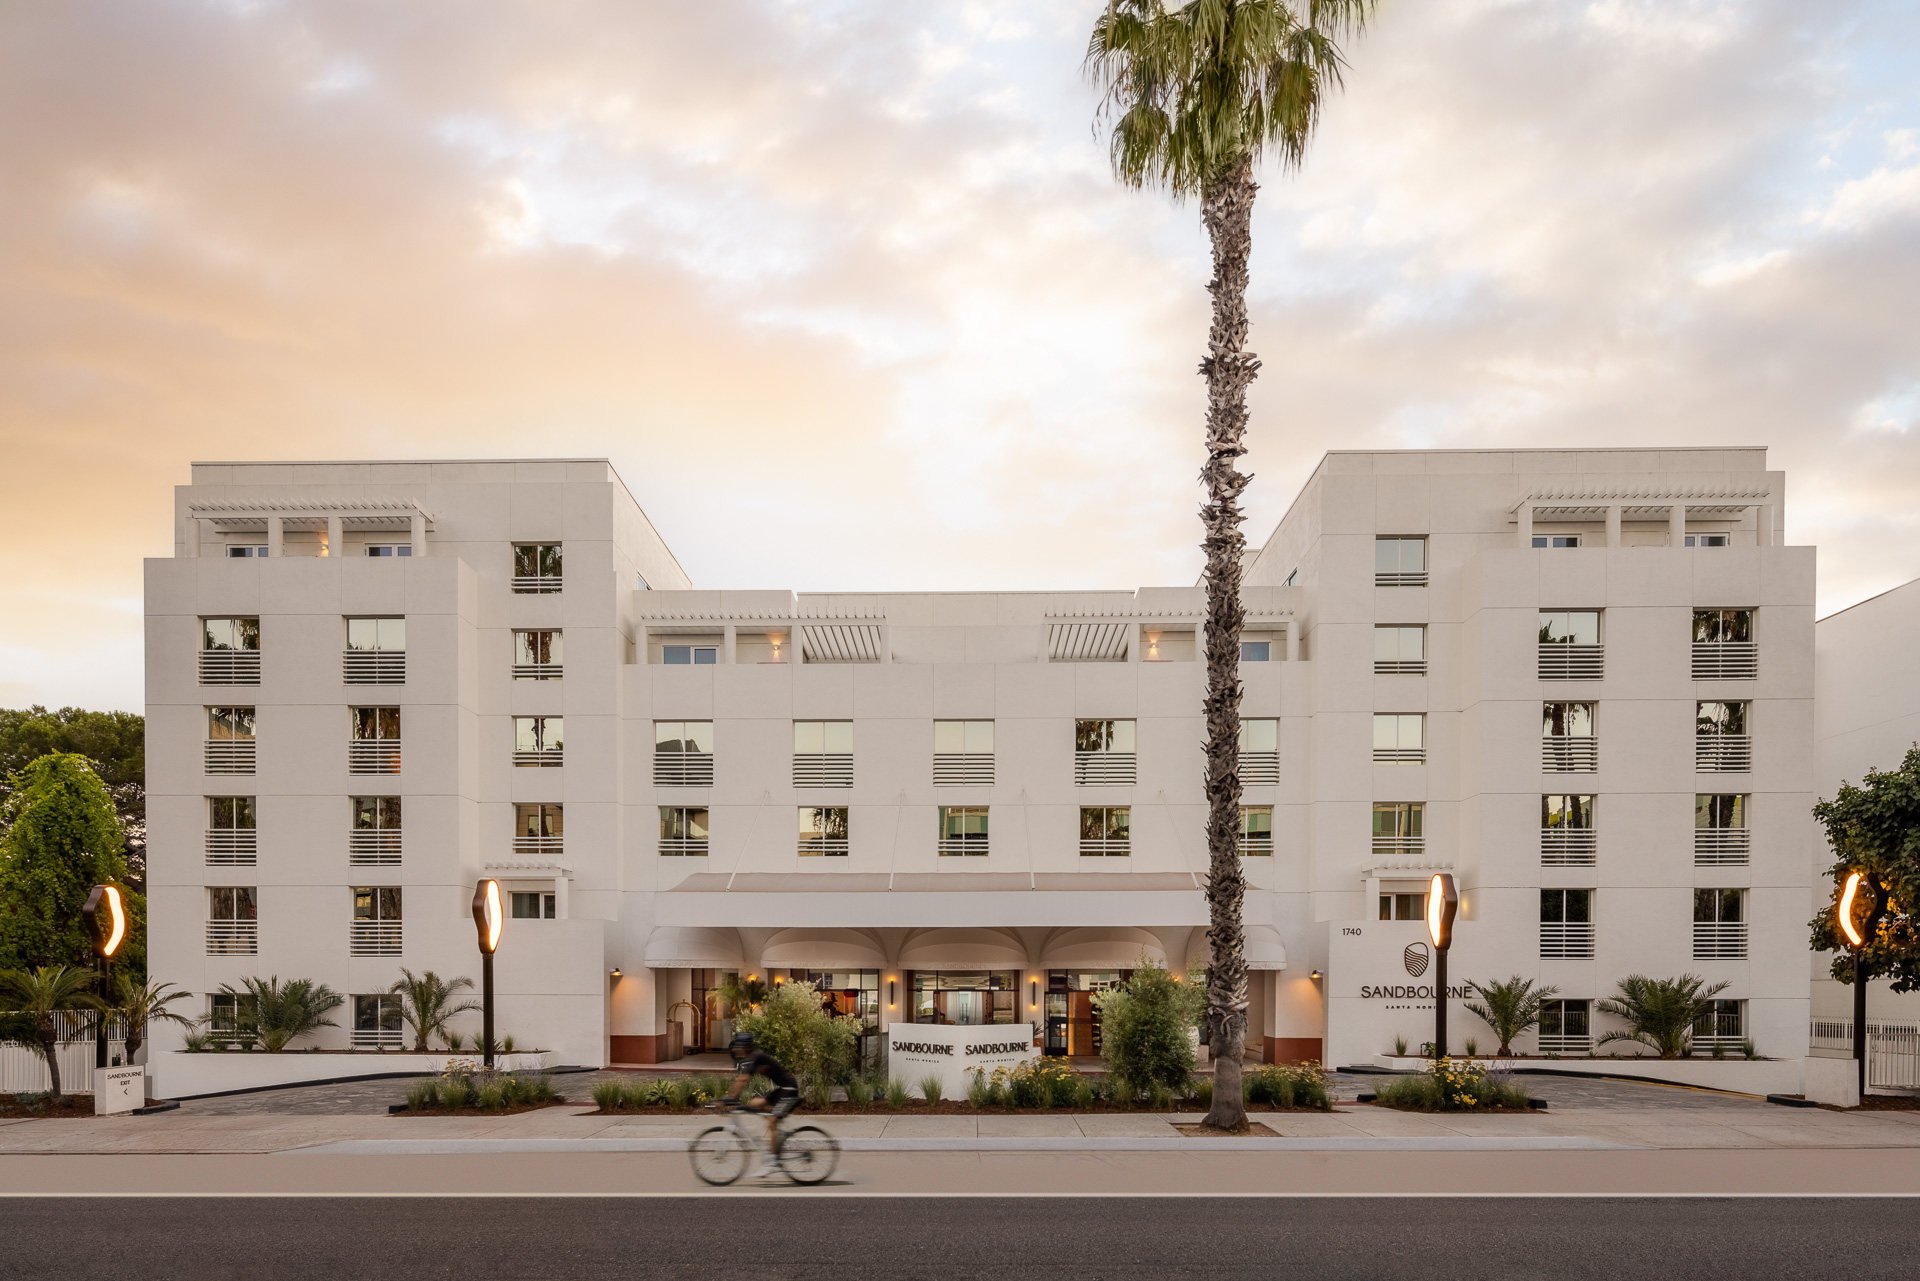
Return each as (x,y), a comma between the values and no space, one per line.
(960,900)
(963,950)
(1095,949)
(823,950)
(679,947)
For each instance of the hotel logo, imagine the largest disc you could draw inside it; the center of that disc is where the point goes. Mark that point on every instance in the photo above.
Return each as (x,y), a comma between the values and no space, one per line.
(1416,958)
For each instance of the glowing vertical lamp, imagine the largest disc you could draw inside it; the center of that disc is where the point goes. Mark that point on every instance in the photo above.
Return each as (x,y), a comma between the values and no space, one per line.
(106,913)
(1443,903)
(489,921)
(1859,933)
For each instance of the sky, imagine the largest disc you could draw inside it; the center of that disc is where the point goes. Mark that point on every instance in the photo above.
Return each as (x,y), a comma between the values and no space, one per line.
(847,292)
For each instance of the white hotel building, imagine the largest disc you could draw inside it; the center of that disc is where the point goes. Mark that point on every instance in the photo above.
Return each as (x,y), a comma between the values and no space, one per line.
(1581,680)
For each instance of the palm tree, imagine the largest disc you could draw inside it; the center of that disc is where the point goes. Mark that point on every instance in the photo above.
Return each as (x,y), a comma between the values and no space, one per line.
(1196,95)
(1660,1013)
(37,997)
(282,1013)
(426,1003)
(141,1003)
(1509,1008)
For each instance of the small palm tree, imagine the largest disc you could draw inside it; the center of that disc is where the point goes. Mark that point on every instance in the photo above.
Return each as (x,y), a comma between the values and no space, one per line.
(37,997)
(1509,1008)
(426,1004)
(1660,1013)
(141,1003)
(282,1013)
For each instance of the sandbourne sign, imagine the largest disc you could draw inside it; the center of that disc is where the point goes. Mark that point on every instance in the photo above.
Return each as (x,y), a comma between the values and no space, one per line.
(952,1051)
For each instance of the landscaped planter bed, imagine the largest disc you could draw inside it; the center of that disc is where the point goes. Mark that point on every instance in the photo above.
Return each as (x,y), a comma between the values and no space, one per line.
(960,1107)
(401,1109)
(74,1106)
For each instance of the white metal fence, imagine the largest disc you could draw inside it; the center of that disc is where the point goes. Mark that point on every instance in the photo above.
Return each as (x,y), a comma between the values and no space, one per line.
(24,1071)
(1893,1049)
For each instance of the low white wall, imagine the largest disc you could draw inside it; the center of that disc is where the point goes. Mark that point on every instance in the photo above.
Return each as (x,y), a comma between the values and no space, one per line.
(176,1074)
(1745,1076)
(1835,1082)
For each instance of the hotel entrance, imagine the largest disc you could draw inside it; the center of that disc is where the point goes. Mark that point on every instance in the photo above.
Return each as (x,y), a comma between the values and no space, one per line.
(1072,1017)
(967,998)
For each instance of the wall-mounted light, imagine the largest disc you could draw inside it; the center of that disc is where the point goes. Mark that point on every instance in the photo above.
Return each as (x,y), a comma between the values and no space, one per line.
(1316,976)
(1153,645)
(776,639)
(893,990)
(614,973)
(778,979)
(1033,987)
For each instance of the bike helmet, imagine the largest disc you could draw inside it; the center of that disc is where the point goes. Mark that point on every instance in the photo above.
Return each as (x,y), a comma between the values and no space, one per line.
(741,1045)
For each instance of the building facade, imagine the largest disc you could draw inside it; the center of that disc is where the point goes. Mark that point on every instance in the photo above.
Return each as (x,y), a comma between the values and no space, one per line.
(1582,681)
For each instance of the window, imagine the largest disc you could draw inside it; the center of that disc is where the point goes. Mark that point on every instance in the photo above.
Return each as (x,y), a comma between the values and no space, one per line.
(1256,651)
(1103,751)
(823,753)
(823,831)
(963,830)
(376,1022)
(1569,627)
(374,743)
(1566,924)
(376,652)
(230,813)
(539,740)
(373,835)
(1399,827)
(1570,645)
(230,635)
(375,928)
(962,753)
(1106,831)
(1706,540)
(1566,1026)
(1724,1023)
(1719,925)
(229,1017)
(1259,752)
(245,551)
(1400,562)
(1256,831)
(536,655)
(683,753)
(1403,907)
(1720,834)
(229,747)
(1716,718)
(1711,626)
(389,549)
(684,831)
(1400,651)
(690,655)
(1556,540)
(1399,738)
(1567,838)
(1567,741)
(1721,743)
(536,567)
(539,830)
(1567,720)
(231,838)
(233,920)
(1566,812)
(1723,648)
(533,905)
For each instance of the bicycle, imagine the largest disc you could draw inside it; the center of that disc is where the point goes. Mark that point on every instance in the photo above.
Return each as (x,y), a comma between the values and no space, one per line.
(808,1154)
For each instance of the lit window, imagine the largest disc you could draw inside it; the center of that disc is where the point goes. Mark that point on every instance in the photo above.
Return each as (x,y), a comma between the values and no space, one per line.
(1403,907)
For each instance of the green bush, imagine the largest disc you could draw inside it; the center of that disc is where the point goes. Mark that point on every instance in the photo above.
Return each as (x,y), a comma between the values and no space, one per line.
(611,1096)
(978,1089)
(818,1092)
(1145,1031)
(1452,1086)
(896,1092)
(422,1095)
(819,1048)
(1288,1085)
(680,1091)
(1201,1092)
(931,1088)
(859,1091)
(1083,1095)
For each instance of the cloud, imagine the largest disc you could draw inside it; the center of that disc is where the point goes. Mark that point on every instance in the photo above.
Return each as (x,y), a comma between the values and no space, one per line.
(809,271)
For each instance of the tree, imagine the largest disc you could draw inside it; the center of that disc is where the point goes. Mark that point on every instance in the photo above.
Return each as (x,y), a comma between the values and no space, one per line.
(140,1003)
(1660,1013)
(790,1024)
(62,838)
(1509,1008)
(426,1004)
(1875,828)
(1144,1031)
(277,1014)
(115,742)
(36,998)
(1197,95)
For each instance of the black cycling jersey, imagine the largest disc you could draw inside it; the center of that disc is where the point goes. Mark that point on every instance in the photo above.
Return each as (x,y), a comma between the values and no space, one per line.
(760,1063)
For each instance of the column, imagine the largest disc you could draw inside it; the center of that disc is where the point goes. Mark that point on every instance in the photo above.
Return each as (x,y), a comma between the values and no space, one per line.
(1613,525)
(419,528)
(1524,517)
(1677,525)
(1293,640)
(727,643)
(190,537)
(336,542)
(273,537)
(1764,526)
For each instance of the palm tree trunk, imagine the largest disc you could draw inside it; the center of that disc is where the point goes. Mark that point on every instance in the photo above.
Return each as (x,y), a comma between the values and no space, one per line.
(1226,209)
(51,1049)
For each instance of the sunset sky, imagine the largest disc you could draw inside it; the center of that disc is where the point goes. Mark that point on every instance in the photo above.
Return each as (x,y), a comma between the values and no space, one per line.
(846,292)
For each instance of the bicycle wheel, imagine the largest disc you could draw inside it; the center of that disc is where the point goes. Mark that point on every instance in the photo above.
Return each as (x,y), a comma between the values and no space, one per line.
(719,1156)
(808,1154)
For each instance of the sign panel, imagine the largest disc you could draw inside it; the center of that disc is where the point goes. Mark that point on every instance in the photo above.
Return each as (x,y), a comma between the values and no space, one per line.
(118,1089)
(952,1051)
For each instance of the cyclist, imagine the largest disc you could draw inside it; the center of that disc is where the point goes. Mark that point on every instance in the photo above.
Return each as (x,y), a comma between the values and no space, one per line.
(778,1103)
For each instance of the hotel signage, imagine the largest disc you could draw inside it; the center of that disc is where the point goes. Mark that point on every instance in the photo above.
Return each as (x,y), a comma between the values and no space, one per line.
(952,1052)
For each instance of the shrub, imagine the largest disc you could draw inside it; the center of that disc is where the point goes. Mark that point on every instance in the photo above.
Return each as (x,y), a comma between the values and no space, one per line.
(277,1014)
(611,1096)
(1452,1086)
(896,1092)
(1660,1013)
(1083,1095)
(506,1045)
(422,1095)
(1288,1085)
(977,1089)
(197,1041)
(680,1091)
(1399,1046)
(1747,1048)
(1473,1048)
(817,1047)
(455,1042)
(457,1092)
(1145,1030)
(859,1091)
(818,1092)
(931,1088)
(1201,1092)
(490,1096)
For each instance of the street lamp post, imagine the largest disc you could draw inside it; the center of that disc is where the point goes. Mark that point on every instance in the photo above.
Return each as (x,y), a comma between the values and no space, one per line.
(1443,902)
(1858,936)
(106,915)
(487,920)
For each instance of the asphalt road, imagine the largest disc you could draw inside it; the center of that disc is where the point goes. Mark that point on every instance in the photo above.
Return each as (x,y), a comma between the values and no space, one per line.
(952,1239)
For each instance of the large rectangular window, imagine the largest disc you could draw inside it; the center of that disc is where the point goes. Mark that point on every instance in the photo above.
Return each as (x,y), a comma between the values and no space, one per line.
(1259,751)
(229,747)
(373,745)
(824,831)
(1103,751)
(1724,1024)
(1400,651)
(534,905)
(823,753)
(1720,834)
(1106,831)
(1719,924)
(1568,744)
(376,652)
(1721,742)
(683,753)
(233,920)
(1567,837)
(376,925)
(1399,827)
(1403,906)
(231,838)
(537,654)
(1399,738)
(536,567)
(1566,924)
(1723,645)
(687,654)
(1400,561)
(1566,1026)
(684,831)
(1256,831)
(962,753)
(963,830)
(377,1023)
(539,830)
(229,651)
(374,833)
(539,740)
